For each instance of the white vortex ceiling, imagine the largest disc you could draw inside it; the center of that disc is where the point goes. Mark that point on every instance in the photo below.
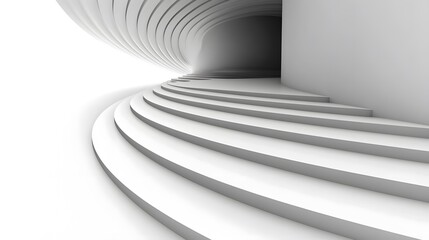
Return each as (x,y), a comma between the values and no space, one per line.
(164,32)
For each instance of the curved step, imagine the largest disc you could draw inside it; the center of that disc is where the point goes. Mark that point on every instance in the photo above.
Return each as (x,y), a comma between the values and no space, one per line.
(257,87)
(286,194)
(192,78)
(399,177)
(106,142)
(179,80)
(193,211)
(367,124)
(270,102)
(408,148)
(244,73)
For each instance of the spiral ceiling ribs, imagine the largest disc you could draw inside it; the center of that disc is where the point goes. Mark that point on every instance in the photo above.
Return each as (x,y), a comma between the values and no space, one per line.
(230,155)
(164,32)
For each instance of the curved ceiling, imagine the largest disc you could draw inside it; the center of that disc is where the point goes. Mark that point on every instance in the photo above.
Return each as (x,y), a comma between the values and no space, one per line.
(165,32)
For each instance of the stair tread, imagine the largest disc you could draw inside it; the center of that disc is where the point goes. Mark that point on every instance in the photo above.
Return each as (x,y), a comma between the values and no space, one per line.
(291,188)
(281,103)
(208,213)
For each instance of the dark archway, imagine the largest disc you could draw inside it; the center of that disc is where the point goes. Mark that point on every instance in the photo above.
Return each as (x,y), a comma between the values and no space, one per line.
(250,46)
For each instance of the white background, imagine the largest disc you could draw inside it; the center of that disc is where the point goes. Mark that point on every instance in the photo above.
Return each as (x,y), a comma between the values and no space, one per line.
(54,81)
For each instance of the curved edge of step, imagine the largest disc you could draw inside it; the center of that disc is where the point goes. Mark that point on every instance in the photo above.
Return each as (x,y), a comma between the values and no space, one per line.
(307,217)
(312,219)
(311,98)
(269,102)
(209,215)
(173,225)
(164,219)
(368,124)
(383,185)
(374,144)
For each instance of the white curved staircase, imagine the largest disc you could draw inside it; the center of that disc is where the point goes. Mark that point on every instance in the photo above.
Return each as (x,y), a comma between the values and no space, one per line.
(252,159)
(228,152)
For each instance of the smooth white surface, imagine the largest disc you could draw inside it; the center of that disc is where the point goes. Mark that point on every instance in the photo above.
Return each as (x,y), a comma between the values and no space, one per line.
(375,210)
(54,81)
(206,212)
(266,87)
(342,138)
(281,103)
(373,124)
(366,53)
(400,170)
(337,201)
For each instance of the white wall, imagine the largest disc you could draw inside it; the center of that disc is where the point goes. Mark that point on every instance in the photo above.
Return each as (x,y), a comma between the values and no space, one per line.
(369,53)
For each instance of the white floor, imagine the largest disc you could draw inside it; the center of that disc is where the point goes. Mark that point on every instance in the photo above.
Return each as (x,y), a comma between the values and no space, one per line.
(53,84)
